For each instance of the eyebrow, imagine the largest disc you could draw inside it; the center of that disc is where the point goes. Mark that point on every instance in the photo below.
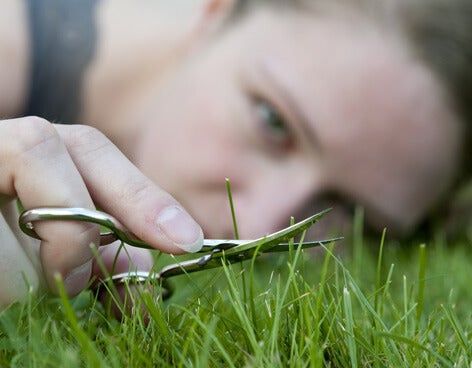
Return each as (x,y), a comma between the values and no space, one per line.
(293,106)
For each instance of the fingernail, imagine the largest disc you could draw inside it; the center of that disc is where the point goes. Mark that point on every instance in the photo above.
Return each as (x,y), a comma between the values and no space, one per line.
(78,278)
(180,228)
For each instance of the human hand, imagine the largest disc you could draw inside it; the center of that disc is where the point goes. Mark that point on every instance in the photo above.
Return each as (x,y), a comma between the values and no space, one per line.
(45,164)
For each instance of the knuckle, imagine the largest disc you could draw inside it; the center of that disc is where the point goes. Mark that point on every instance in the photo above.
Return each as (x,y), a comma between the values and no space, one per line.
(31,133)
(136,190)
(142,192)
(77,236)
(80,135)
(86,142)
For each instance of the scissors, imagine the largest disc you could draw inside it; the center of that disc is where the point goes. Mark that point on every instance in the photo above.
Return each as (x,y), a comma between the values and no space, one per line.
(214,253)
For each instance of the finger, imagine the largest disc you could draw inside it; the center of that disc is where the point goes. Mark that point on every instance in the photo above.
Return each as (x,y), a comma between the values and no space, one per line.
(123,191)
(36,167)
(118,258)
(19,261)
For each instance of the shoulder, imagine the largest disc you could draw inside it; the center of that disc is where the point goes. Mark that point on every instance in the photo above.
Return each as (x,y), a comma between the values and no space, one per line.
(14,63)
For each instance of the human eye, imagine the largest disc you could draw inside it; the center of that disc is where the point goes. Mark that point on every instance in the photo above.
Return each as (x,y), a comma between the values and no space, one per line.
(272,124)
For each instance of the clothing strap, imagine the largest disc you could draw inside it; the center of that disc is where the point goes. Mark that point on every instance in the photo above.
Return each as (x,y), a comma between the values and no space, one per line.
(63,39)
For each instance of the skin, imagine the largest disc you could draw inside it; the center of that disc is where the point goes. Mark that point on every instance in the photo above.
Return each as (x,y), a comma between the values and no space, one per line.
(362,120)
(338,131)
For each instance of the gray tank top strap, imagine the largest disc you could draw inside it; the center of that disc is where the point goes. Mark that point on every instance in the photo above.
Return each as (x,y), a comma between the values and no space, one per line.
(63,40)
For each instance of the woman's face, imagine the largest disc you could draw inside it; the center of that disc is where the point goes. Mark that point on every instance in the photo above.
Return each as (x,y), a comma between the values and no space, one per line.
(293,109)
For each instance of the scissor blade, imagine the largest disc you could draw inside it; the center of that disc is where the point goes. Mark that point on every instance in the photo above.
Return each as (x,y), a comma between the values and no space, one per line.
(267,242)
(223,244)
(240,250)
(284,247)
(204,263)
(210,245)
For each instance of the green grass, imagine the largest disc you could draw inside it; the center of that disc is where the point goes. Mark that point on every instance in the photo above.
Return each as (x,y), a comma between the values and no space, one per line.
(370,302)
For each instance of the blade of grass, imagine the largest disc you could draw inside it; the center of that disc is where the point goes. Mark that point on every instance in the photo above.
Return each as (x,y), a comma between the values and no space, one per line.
(351,340)
(416,345)
(458,330)
(231,206)
(358,241)
(421,284)
(88,351)
(379,271)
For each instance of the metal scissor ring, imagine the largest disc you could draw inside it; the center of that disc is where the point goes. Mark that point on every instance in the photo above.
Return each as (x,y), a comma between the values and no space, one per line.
(117,230)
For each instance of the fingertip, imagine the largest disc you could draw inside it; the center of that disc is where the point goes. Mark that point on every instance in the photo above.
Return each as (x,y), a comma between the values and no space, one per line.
(119,258)
(78,278)
(180,229)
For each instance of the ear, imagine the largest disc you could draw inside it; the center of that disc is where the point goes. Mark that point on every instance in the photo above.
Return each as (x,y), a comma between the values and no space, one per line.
(214,7)
(213,14)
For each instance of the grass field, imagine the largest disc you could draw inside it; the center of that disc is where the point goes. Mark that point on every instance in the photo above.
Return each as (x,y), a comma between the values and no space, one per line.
(374,303)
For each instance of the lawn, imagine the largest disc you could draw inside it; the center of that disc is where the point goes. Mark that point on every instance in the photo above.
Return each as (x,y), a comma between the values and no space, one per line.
(365,302)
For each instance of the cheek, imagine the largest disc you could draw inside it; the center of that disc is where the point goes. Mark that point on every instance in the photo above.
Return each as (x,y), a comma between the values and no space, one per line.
(396,188)
(185,159)
(192,161)
(180,135)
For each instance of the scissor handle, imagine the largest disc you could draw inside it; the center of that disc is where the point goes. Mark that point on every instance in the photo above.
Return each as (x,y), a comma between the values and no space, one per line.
(166,289)
(117,230)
